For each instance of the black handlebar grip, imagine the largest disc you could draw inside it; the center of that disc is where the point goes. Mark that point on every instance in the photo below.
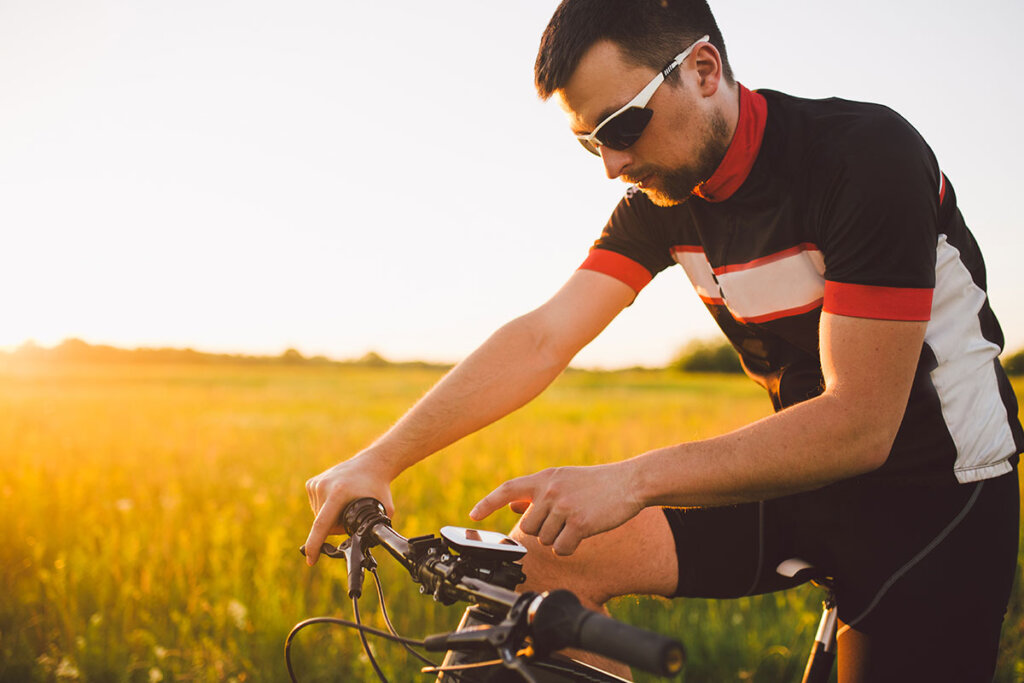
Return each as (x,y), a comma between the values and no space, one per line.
(360,511)
(561,621)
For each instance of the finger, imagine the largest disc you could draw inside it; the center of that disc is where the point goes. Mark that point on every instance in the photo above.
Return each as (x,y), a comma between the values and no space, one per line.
(519,506)
(568,540)
(513,489)
(551,529)
(321,529)
(310,493)
(533,520)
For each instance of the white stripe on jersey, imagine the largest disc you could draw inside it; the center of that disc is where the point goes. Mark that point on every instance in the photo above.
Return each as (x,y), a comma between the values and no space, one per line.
(752,291)
(698,269)
(965,377)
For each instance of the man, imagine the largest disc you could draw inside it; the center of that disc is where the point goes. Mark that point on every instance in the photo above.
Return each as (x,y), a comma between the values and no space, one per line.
(826,242)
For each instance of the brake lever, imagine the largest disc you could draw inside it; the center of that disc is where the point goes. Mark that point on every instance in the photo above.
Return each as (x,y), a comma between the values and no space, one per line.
(356,559)
(336,552)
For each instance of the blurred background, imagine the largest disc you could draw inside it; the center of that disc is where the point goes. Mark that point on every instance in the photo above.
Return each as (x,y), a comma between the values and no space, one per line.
(346,177)
(312,180)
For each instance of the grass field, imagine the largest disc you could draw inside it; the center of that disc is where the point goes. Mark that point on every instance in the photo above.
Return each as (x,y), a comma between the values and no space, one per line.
(150,517)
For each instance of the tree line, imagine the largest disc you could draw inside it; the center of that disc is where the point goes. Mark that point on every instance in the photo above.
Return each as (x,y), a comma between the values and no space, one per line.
(696,356)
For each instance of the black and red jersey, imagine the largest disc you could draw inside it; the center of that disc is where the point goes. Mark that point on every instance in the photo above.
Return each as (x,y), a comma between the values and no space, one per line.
(837,206)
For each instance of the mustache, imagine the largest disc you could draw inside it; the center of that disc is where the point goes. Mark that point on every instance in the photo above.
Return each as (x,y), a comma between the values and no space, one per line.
(634,177)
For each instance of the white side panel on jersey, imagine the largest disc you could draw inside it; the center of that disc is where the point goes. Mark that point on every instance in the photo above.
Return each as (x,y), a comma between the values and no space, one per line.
(965,377)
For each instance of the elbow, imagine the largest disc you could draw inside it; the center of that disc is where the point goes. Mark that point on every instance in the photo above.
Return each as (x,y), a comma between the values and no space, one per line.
(875,447)
(867,435)
(874,458)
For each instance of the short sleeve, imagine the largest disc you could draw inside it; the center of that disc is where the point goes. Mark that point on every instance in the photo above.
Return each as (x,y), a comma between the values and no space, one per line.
(878,222)
(633,247)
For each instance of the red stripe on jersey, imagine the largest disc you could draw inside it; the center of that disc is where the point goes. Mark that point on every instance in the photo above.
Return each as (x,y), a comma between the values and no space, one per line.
(739,158)
(881,303)
(775,315)
(620,267)
(765,260)
(942,187)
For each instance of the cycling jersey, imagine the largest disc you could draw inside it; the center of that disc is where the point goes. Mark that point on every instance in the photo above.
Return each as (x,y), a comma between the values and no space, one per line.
(837,206)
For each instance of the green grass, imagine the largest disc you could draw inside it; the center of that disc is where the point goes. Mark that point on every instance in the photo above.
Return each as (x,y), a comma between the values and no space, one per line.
(150,517)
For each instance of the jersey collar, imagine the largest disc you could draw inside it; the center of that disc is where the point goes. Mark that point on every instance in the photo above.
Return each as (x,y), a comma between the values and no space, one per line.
(739,158)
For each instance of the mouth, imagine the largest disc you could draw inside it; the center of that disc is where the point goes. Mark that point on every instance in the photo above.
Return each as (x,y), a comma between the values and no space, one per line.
(642,181)
(646,182)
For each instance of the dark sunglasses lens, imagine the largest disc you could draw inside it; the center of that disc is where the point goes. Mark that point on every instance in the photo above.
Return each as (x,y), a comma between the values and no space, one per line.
(625,129)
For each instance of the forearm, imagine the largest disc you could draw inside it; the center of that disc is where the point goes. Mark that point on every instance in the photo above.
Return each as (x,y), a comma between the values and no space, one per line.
(508,370)
(804,447)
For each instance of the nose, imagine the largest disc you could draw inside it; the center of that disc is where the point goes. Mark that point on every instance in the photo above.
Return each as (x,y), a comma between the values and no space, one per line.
(614,160)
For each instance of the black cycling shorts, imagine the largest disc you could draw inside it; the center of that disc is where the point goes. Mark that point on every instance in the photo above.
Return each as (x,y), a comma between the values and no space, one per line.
(922,572)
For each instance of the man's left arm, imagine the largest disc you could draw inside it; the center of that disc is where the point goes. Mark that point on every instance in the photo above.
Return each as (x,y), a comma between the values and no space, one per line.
(868,366)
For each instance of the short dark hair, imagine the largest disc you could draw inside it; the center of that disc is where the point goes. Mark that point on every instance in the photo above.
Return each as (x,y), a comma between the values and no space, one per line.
(650,32)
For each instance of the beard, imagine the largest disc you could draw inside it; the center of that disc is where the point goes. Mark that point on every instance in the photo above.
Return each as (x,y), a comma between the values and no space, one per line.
(675,185)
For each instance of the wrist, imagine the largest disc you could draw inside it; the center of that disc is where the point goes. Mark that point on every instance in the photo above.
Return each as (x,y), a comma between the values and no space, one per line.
(641,480)
(382,464)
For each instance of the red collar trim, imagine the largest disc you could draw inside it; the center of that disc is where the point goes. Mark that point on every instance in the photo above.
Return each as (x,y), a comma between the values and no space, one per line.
(742,152)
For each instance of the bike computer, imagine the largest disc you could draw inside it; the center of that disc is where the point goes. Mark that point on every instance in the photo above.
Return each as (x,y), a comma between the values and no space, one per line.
(489,545)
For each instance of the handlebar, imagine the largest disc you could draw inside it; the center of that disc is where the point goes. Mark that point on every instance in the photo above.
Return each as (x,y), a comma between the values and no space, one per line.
(552,620)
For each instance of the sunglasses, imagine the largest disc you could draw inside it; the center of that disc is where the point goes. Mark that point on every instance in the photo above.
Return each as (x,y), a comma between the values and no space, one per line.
(623,128)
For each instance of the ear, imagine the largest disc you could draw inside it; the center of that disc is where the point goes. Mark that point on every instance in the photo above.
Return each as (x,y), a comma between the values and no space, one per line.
(709,68)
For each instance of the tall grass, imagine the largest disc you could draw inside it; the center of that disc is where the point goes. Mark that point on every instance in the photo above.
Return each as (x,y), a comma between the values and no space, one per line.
(150,517)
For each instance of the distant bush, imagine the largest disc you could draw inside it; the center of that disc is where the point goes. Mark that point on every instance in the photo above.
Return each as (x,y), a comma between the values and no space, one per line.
(372,359)
(1014,365)
(707,356)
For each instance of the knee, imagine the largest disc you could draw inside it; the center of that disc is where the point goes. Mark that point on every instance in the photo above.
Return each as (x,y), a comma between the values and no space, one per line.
(547,571)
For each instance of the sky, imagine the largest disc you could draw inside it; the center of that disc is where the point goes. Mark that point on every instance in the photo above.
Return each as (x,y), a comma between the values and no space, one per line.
(340,177)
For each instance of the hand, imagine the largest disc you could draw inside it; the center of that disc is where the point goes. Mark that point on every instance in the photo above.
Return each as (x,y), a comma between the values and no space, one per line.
(564,505)
(331,490)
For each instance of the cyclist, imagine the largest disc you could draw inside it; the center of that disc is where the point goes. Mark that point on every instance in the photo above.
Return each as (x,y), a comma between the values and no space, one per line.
(827,243)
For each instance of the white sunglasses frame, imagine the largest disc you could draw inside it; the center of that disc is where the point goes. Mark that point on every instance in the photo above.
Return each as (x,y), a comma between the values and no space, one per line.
(590,141)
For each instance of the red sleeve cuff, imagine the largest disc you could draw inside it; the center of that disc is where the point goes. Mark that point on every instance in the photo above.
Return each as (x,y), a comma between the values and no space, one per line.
(620,267)
(880,303)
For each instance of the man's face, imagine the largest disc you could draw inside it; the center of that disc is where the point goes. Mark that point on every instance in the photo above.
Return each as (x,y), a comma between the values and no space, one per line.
(682,144)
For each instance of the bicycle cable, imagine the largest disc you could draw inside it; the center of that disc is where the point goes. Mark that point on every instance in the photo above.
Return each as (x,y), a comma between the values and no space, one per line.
(452,673)
(391,635)
(339,622)
(366,645)
(387,620)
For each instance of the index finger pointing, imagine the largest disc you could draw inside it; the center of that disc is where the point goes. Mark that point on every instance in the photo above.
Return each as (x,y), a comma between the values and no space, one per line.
(512,490)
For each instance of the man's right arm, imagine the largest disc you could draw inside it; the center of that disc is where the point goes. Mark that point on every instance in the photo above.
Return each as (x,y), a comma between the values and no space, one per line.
(508,370)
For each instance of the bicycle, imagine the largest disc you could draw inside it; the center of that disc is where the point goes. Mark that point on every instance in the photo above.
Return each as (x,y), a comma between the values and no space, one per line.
(506,636)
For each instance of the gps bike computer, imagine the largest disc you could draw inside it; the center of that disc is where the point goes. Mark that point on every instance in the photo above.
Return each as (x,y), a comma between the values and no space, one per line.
(489,545)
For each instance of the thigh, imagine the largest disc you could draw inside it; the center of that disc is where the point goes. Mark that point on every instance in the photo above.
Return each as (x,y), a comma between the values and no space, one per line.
(638,557)
(938,617)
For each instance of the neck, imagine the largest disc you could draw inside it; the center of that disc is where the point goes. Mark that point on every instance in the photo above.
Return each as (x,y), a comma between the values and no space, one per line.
(728,104)
(745,115)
